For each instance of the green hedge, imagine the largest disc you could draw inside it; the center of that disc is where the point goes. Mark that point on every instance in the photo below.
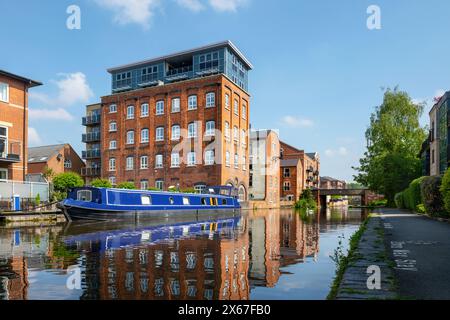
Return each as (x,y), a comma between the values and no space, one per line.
(432,197)
(399,201)
(412,196)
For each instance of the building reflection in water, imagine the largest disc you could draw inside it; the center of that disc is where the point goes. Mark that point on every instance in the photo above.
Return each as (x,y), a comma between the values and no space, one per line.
(221,260)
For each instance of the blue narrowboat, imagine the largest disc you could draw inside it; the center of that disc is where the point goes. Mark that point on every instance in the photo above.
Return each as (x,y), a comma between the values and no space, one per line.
(107,204)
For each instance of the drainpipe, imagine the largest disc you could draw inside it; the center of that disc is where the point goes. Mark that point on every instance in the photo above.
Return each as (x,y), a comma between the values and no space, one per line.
(25,130)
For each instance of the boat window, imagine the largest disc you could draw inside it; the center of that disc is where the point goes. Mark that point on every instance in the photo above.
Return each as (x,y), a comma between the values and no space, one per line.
(186,201)
(84,195)
(204,201)
(224,202)
(171,200)
(146,200)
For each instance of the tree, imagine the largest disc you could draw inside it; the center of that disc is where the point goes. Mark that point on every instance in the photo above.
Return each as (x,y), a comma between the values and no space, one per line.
(126,185)
(101,183)
(64,181)
(394,139)
(48,173)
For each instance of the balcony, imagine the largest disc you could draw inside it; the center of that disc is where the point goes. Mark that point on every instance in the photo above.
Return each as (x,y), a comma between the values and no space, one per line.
(91,137)
(91,172)
(10,152)
(91,120)
(91,154)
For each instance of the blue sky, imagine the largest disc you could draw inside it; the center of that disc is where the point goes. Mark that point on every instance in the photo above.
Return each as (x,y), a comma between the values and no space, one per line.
(318,69)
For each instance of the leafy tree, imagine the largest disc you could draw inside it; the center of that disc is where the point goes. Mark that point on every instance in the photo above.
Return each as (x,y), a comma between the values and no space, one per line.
(64,181)
(126,185)
(394,140)
(101,183)
(48,173)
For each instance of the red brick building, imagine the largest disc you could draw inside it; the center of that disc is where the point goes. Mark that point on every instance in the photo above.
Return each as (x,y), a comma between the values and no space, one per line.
(179,120)
(14,125)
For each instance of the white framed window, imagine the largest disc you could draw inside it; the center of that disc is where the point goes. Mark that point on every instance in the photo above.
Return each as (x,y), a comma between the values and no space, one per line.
(210,100)
(113,126)
(159,107)
(4,92)
(244,111)
(159,161)
(130,112)
(236,161)
(227,101)
(176,132)
(200,188)
(192,130)
(244,163)
(175,160)
(112,164)
(159,184)
(236,107)
(209,157)
(145,138)
(236,133)
(3,174)
(130,163)
(160,134)
(192,159)
(3,141)
(287,186)
(144,162)
(227,130)
(113,108)
(113,181)
(144,186)
(175,105)
(144,110)
(113,145)
(130,137)
(210,128)
(244,137)
(67,164)
(227,158)
(192,102)
(186,201)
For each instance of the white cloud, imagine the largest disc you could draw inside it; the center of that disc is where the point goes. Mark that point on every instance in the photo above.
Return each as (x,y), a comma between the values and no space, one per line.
(33,137)
(193,5)
(296,122)
(329,153)
(53,114)
(341,151)
(131,11)
(227,5)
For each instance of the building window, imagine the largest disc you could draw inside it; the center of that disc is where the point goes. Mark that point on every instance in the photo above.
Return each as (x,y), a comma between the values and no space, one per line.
(175,105)
(159,184)
(227,158)
(175,160)
(210,100)
(176,132)
(210,128)
(144,162)
(432,156)
(200,188)
(287,186)
(113,108)
(113,145)
(244,137)
(159,161)
(209,157)
(144,110)
(130,137)
(227,101)
(130,163)
(3,141)
(236,161)
(145,136)
(244,111)
(192,130)
(244,163)
(113,126)
(3,174)
(192,159)
(209,61)
(160,107)
(113,181)
(227,130)
(160,134)
(192,102)
(286,172)
(144,184)
(130,112)
(236,107)
(236,133)
(112,164)
(4,92)
(67,164)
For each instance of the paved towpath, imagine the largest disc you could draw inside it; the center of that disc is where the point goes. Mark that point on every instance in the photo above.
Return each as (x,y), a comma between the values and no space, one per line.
(420,248)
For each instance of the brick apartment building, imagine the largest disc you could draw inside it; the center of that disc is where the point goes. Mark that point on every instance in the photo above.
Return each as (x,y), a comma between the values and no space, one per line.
(299,171)
(178,120)
(14,125)
(332,183)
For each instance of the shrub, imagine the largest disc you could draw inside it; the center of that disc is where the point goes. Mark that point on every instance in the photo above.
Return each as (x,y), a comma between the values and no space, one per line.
(420,209)
(431,195)
(101,183)
(64,181)
(126,185)
(188,190)
(445,190)
(306,200)
(399,200)
(37,201)
(412,196)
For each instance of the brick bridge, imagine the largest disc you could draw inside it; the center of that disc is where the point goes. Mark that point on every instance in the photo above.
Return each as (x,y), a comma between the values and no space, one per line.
(321,195)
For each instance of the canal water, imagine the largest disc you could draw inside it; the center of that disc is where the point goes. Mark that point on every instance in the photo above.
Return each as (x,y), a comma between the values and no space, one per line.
(266,254)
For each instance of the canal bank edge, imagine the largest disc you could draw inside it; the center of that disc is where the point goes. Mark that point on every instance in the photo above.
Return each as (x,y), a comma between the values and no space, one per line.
(367,248)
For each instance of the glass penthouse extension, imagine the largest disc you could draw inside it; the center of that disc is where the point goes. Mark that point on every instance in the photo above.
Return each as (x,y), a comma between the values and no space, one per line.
(221,58)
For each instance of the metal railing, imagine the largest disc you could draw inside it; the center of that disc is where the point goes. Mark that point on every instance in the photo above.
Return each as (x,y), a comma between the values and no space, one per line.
(91,154)
(91,120)
(91,172)
(91,137)
(10,151)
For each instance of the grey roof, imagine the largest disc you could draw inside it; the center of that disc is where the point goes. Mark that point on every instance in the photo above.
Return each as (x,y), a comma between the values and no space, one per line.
(44,153)
(312,155)
(31,83)
(289,162)
(227,43)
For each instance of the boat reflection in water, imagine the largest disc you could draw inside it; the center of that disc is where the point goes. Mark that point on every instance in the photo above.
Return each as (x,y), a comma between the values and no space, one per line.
(263,254)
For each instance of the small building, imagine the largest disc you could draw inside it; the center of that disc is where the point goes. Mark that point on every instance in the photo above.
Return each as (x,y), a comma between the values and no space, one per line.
(60,158)
(264,191)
